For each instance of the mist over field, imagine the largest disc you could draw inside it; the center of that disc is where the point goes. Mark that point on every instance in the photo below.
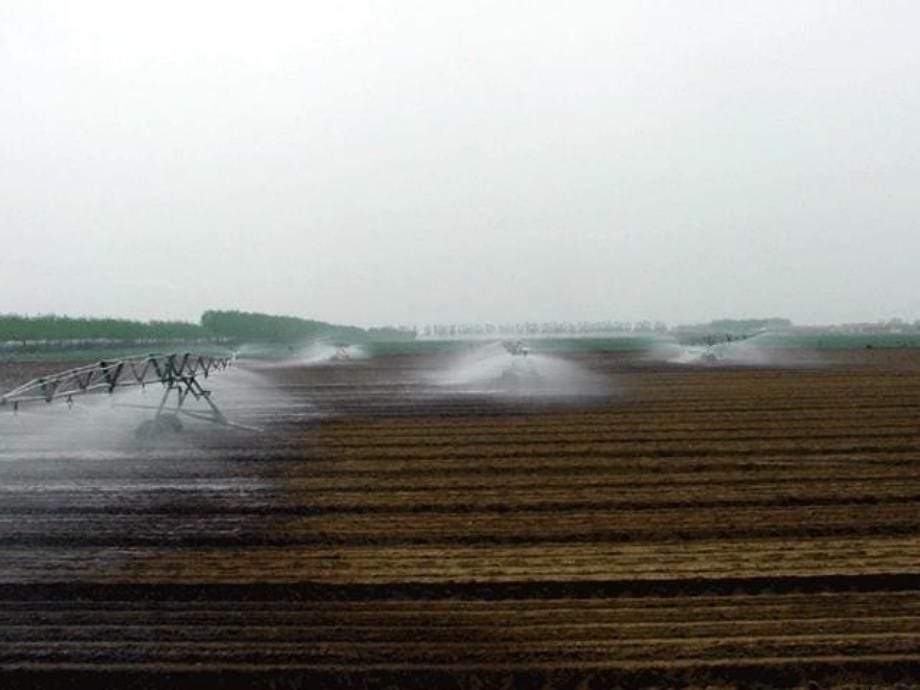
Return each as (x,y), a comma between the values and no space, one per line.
(415,162)
(493,344)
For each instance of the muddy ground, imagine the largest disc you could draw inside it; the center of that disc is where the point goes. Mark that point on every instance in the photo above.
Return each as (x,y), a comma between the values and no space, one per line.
(651,524)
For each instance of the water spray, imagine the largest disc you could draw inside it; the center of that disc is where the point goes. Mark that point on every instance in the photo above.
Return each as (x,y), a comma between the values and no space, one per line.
(713,349)
(179,375)
(510,368)
(516,348)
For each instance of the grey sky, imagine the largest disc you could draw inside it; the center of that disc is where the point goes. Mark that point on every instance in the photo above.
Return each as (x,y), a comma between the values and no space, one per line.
(409,162)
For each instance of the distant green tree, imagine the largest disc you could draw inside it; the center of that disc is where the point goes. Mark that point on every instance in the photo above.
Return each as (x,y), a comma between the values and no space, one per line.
(51,327)
(290,330)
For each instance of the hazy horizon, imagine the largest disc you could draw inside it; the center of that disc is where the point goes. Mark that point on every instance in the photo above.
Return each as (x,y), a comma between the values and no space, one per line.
(649,324)
(407,162)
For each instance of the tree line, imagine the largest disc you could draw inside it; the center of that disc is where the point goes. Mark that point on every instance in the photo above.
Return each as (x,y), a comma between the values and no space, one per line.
(235,326)
(15,328)
(290,330)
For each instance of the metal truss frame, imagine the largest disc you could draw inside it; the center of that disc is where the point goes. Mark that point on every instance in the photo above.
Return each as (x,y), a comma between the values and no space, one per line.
(178,373)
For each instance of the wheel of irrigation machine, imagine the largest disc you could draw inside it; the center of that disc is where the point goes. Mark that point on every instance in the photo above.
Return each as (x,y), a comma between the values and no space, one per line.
(171,421)
(161,427)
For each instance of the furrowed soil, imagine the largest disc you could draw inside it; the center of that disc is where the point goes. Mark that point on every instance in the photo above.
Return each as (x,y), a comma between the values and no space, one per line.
(686,527)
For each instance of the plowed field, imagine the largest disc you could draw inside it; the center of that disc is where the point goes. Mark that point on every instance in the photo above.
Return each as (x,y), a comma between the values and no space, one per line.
(692,526)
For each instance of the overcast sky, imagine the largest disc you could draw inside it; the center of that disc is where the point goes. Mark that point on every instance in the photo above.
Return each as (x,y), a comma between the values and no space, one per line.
(408,162)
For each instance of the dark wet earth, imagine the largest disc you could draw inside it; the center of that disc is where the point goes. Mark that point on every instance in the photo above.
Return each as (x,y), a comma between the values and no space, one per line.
(650,526)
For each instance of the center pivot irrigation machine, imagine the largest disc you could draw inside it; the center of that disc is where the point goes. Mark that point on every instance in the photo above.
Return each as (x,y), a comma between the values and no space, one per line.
(341,353)
(516,348)
(178,374)
(714,345)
